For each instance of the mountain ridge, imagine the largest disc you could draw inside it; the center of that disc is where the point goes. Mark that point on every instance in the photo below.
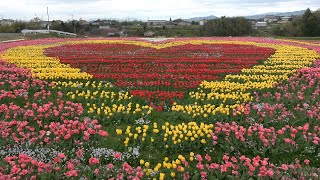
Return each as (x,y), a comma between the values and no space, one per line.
(256,16)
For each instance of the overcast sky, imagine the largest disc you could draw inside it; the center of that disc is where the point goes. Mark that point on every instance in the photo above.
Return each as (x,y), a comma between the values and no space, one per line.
(145,9)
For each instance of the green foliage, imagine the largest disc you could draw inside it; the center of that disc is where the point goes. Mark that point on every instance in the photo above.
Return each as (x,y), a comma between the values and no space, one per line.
(15,27)
(175,31)
(224,26)
(310,24)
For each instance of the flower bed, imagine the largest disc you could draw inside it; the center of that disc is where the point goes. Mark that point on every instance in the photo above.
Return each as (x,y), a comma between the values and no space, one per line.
(177,109)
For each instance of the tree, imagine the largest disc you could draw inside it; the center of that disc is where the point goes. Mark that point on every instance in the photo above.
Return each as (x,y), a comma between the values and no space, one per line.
(15,27)
(279,30)
(310,24)
(224,26)
(194,23)
(18,26)
(317,15)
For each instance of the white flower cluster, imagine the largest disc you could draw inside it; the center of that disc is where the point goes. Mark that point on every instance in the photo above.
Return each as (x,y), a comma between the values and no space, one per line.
(142,121)
(38,153)
(108,154)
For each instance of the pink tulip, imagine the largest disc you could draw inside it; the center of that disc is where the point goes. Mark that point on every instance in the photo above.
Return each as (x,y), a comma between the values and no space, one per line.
(93,161)
(72,173)
(284,167)
(117,155)
(103,133)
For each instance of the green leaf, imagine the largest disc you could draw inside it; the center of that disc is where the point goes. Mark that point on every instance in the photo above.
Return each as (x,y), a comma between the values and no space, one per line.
(196,176)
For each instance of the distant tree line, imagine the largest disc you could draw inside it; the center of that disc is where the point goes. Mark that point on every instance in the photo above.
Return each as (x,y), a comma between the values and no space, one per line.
(15,27)
(224,26)
(307,25)
(73,26)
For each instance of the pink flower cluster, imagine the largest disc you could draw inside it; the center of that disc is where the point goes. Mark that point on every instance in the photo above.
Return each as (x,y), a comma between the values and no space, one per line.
(41,117)
(33,115)
(242,166)
(257,136)
(296,99)
(22,166)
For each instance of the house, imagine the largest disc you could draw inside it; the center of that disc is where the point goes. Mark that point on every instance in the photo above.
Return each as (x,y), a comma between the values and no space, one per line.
(178,22)
(260,25)
(183,23)
(6,22)
(271,19)
(284,19)
(95,23)
(156,23)
(45,24)
(83,22)
(112,32)
(103,22)
(202,22)
(149,34)
(107,22)
(104,27)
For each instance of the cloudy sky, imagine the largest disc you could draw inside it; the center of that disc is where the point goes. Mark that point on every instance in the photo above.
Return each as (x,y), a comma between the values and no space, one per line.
(145,9)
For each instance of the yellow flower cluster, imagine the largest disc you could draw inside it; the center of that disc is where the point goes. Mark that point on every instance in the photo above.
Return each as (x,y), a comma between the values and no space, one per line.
(109,111)
(261,77)
(236,96)
(100,98)
(207,109)
(187,132)
(41,66)
(174,165)
(80,85)
(168,168)
(169,135)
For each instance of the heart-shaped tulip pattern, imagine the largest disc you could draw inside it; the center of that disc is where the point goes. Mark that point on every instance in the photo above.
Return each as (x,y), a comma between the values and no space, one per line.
(163,73)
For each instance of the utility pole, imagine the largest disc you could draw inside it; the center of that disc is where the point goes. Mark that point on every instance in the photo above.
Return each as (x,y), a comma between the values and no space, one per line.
(74,25)
(48,19)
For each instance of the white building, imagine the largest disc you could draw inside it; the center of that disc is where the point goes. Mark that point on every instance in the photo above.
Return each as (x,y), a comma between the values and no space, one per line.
(156,23)
(183,23)
(284,19)
(45,24)
(271,19)
(202,22)
(260,25)
(104,27)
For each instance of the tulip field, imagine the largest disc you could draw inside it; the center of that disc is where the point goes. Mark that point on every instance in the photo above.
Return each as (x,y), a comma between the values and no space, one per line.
(178,108)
